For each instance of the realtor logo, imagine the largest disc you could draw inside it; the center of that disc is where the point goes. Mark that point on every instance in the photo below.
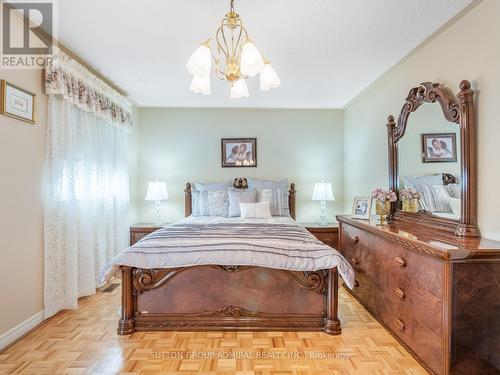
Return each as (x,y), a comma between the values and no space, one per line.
(28,30)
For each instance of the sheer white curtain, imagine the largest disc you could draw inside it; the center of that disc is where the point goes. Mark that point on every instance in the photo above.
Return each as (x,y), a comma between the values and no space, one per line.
(86,201)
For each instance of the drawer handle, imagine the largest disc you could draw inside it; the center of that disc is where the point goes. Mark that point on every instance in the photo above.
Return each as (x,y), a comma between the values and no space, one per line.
(355,239)
(399,293)
(399,324)
(355,261)
(327,240)
(356,283)
(400,261)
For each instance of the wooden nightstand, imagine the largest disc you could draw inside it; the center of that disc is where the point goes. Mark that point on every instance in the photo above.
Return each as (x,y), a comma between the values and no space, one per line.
(328,234)
(138,231)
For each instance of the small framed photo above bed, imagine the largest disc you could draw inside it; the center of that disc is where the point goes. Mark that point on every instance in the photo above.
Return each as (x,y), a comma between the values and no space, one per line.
(362,208)
(16,102)
(439,148)
(239,152)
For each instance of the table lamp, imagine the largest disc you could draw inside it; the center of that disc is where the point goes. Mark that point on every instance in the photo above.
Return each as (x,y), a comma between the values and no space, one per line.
(323,193)
(157,192)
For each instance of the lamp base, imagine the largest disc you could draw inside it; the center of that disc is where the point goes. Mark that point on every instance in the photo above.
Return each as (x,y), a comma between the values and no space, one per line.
(322,214)
(157,213)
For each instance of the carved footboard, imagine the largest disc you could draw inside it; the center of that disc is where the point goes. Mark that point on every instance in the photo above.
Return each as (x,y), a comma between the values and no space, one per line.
(228,298)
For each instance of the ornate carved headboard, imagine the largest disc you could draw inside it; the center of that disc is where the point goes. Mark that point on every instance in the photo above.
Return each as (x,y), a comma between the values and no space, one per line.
(239,183)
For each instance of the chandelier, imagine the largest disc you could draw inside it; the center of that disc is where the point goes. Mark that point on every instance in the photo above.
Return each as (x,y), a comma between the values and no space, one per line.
(236,58)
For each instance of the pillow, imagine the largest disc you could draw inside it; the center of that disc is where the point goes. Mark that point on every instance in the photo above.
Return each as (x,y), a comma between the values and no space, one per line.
(455,206)
(441,199)
(239,196)
(210,203)
(217,186)
(414,181)
(279,197)
(260,210)
(455,190)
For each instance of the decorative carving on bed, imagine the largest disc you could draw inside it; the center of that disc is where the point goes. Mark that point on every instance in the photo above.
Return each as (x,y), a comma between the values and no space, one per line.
(239,183)
(230,310)
(148,279)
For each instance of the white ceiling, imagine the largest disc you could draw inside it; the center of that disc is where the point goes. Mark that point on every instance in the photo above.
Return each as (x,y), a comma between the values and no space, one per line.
(326,51)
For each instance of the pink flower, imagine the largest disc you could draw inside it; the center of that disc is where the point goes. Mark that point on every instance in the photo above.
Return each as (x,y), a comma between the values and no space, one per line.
(383,195)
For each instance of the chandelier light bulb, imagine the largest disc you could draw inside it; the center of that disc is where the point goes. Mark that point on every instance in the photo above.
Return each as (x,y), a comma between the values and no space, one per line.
(200,63)
(239,89)
(269,79)
(200,85)
(252,62)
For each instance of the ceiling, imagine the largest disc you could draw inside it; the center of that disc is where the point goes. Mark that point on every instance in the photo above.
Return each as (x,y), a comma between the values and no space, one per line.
(325,51)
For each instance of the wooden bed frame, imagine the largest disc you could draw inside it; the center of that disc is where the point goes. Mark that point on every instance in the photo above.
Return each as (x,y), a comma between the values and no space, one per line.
(215,297)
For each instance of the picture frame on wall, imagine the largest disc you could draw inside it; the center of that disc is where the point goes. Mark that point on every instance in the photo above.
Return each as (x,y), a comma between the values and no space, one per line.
(362,208)
(16,102)
(439,148)
(239,152)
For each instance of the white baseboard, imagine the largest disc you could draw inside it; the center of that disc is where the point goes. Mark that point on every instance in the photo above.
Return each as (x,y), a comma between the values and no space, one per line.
(21,329)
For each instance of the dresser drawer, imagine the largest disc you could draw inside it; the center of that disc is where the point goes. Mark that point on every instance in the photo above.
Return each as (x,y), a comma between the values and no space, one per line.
(425,343)
(401,296)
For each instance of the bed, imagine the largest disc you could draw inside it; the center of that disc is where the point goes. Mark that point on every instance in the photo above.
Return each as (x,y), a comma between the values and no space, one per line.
(231,274)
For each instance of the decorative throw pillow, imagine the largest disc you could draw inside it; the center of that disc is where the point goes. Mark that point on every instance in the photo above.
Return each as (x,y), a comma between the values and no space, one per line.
(259,210)
(441,199)
(455,205)
(455,190)
(264,195)
(239,196)
(279,199)
(210,203)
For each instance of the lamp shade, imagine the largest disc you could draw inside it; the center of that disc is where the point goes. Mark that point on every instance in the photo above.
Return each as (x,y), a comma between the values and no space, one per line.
(252,62)
(239,89)
(200,85)
(157,191)
(323,192)
(269,79)
(200,62)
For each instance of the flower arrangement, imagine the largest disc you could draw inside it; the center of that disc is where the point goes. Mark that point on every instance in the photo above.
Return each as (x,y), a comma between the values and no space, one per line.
(382,195)
(409,194)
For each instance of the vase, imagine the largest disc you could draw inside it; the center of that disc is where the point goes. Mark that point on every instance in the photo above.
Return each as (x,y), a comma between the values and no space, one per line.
(383,209)
(410,205)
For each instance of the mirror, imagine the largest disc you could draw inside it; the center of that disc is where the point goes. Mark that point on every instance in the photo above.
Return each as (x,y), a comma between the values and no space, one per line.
(432,150)
(429,162)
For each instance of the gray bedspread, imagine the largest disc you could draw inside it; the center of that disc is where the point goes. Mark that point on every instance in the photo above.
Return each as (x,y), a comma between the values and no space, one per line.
(281,244)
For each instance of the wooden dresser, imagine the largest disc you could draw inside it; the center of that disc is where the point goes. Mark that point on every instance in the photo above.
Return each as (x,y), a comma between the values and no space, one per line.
(440,296)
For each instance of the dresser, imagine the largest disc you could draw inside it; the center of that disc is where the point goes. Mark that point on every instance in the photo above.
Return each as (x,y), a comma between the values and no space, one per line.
(438,295)
(328,234)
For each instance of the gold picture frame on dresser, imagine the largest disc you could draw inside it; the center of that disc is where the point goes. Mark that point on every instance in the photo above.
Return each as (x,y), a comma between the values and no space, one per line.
(432,281)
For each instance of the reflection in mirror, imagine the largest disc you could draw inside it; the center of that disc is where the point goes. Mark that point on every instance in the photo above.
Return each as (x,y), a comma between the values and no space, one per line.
(429,161)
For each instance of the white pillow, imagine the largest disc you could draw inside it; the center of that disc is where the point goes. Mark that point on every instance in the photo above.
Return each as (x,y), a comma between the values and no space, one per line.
(455,206)
(260,210)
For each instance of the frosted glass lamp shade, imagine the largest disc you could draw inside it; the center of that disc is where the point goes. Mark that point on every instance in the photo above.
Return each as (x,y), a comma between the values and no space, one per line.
(200,63)
(323,192)
(157,191)
(200,85)
(239,89)
(252,62)
(269,79)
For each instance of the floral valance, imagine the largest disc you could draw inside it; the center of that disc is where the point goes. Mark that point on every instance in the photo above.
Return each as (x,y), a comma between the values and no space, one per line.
(78,85)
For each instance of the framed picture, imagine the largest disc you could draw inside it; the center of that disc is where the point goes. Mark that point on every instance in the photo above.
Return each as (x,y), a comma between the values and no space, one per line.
(16,102)
(239,152)
(439,148)
(362,208)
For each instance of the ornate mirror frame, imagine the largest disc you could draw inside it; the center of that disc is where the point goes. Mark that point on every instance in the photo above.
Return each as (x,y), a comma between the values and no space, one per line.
(457,109)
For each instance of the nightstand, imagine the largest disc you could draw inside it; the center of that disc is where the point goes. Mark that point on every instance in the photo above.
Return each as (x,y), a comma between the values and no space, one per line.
(328,234)
(138,231)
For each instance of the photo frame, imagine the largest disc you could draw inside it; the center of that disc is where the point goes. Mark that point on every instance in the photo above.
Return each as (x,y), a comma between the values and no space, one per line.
(16,102)
(439,148)
(362,208)
(239,152)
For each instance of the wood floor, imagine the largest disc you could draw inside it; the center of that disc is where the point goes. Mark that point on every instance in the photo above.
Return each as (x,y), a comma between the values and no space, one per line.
(84,341)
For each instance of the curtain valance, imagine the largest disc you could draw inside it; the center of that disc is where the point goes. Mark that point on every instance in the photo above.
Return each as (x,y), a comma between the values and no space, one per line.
(79,86)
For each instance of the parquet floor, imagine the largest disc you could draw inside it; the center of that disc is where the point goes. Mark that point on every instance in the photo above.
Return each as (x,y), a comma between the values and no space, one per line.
(84,341)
